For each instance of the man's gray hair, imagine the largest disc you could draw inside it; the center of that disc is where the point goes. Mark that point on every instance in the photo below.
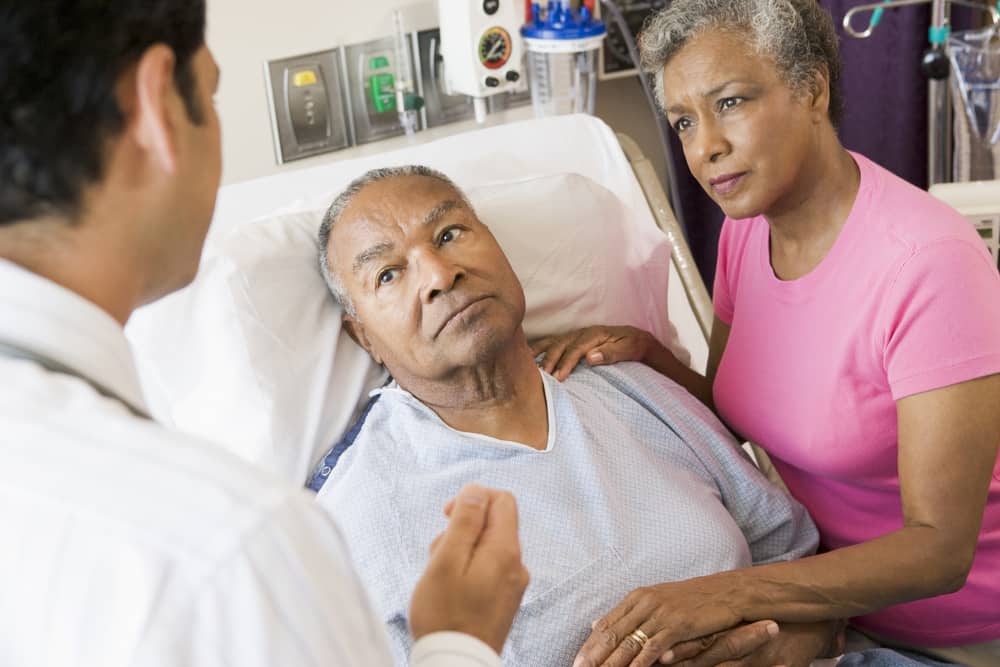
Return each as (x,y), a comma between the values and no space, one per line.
(798,34)
(344,199)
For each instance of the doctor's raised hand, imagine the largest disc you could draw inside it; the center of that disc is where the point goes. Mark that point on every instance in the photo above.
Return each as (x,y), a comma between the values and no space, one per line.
(475,579)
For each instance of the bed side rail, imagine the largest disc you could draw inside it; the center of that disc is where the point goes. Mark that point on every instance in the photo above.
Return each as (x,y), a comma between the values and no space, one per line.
(659,206)
(694,286)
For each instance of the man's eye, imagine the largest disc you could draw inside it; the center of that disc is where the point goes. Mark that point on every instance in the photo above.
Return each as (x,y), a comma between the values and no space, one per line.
(682,124)
(450,235)
(729,102)
(385,277)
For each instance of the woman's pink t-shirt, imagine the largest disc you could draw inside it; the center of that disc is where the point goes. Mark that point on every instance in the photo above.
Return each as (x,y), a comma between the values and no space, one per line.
(906,301)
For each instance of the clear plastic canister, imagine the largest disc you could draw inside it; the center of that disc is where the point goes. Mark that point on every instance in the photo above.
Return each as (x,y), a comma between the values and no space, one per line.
(562,44)
(562,81)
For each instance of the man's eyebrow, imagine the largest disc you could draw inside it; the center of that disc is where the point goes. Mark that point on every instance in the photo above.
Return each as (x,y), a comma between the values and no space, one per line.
(370,254)
(441,209)
(379,249)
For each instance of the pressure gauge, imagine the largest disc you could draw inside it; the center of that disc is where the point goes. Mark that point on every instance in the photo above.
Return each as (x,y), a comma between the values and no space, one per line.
(494,48)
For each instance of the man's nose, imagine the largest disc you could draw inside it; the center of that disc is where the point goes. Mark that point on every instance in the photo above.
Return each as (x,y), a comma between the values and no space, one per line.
(438,273)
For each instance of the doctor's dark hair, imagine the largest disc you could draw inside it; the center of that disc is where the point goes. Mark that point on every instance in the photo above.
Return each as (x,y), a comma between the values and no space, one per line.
(60,61)
(344,199)
(798,34)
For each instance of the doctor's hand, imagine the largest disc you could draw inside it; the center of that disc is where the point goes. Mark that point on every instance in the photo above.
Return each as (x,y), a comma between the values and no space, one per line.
(475,579)
(599,345)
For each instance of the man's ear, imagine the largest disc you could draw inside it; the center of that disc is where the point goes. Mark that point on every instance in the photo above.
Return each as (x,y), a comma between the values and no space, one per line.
(356,331)
(151,98)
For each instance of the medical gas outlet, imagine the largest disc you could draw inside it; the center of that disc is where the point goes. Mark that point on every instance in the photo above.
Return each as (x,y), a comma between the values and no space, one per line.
(482,48)
(382,85)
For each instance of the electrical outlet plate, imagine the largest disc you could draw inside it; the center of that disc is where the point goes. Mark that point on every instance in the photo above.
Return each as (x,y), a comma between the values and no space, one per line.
(309,112)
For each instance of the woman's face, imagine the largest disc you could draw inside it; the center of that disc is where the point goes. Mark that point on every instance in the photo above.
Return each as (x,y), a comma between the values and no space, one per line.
(747,136)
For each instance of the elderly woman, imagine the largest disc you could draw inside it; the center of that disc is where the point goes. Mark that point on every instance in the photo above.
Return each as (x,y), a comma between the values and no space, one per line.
(856,339)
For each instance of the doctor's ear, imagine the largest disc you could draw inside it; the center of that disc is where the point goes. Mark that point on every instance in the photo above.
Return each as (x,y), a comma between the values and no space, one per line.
(148,97)
(356,331)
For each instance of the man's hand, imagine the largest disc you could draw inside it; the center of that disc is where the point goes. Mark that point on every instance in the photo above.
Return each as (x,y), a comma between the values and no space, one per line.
(762,644)
(475,578)
(599,345)
(722,647)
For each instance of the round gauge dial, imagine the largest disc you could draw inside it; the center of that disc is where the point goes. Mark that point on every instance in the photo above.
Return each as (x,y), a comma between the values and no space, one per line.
(494,48)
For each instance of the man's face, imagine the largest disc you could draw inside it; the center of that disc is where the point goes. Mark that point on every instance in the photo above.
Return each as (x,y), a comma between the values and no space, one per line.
(432,290)
(208,134)
(199,171)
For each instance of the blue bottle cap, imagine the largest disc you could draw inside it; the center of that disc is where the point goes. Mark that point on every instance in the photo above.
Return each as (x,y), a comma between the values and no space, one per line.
(561,22)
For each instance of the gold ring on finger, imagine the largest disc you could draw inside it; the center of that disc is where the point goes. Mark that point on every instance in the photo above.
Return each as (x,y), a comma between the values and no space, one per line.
(640,637)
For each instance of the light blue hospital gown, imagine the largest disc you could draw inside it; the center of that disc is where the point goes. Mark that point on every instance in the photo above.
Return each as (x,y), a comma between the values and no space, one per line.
(639,484)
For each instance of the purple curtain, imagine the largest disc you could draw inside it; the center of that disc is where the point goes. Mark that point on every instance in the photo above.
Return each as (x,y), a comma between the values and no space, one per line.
(885,100)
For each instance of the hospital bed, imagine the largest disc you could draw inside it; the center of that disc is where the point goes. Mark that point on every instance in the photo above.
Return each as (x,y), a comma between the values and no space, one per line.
(252,355)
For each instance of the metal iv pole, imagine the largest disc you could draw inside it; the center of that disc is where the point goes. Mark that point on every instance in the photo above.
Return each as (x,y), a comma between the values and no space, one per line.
(936,67)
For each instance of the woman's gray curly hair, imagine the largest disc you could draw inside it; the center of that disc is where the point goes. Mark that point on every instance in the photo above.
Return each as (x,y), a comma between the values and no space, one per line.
(798,34)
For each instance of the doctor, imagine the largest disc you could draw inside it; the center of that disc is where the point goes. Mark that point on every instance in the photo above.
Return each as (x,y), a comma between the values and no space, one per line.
(124,543)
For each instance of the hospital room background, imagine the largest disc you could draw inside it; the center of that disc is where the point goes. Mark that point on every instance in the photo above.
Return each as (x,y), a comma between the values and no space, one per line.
(885,88)
(310,98)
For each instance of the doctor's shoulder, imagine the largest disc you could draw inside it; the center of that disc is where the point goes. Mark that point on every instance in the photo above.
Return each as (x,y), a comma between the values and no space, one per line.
(177,550)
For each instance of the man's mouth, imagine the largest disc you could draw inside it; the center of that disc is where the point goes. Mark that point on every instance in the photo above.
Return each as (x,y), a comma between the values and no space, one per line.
(457,312)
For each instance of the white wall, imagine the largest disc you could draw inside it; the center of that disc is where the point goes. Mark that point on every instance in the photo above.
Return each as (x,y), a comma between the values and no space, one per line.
(244,34)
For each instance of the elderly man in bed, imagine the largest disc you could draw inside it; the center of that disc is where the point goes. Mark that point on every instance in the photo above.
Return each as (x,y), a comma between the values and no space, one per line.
(622,478)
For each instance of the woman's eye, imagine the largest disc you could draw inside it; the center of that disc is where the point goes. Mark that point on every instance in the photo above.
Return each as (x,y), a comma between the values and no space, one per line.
(729,102)
(385,277)
(450,235)
(682,124)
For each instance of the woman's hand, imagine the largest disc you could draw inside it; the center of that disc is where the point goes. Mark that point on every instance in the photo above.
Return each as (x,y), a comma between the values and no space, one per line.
(665,615)
(599,345)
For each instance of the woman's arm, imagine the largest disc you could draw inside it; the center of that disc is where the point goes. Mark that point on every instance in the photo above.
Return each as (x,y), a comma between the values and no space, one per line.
(661,359)
(948,441)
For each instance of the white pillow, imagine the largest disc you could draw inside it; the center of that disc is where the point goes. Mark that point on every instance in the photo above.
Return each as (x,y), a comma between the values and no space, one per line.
(579,258)
(251,354)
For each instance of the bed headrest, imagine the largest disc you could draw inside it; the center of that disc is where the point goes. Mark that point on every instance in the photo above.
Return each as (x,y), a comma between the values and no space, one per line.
(252,355)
